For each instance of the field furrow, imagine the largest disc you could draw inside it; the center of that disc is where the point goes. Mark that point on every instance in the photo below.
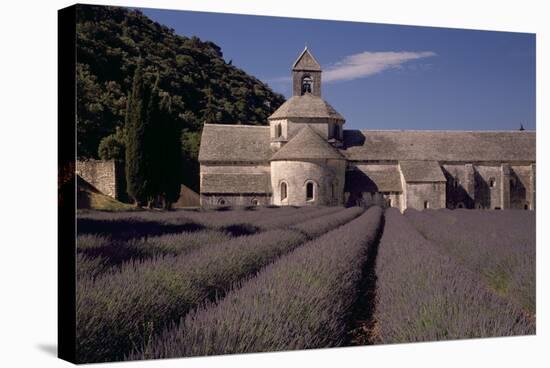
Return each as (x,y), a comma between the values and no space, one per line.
(424,295)
(301,301)
(498,247)
(118,311)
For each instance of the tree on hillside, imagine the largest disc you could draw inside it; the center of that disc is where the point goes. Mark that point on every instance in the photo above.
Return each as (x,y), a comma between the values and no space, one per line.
(137,165)
(201,85)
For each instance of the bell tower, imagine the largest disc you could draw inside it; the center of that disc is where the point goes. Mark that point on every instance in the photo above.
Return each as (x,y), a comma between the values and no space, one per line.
(306,75)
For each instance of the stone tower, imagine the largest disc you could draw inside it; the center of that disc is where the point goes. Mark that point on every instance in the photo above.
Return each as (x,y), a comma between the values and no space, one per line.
(306,75)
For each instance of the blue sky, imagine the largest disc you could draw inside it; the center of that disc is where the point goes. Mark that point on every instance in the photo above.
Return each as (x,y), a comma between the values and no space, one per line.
(384,76)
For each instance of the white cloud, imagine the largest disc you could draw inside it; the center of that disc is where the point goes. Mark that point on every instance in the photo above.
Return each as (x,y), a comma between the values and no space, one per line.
(369,63)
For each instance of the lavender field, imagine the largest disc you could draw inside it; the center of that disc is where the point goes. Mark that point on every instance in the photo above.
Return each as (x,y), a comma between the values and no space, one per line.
(155,284)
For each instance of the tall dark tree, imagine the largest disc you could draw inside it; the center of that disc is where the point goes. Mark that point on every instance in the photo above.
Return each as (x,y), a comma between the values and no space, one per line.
(171,161)
(137,166)
(202,86)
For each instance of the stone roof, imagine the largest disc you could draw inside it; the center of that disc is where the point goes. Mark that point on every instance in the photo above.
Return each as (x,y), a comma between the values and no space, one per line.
(236,183)
(236,143)
(421,171)
(306,61)
(306,106)
(377,178)
(468,146)
(307,144)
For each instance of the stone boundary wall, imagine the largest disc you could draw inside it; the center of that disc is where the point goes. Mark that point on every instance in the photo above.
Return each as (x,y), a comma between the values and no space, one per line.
(99,173)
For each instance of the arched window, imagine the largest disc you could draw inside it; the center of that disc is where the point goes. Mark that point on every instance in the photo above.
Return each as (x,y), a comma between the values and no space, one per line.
(284,190)
(309,191)
(307,85)
(492,182)
(221,202)
(426,204)
(254,202)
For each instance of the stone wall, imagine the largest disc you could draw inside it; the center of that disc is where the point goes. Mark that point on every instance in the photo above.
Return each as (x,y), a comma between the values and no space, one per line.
(238,200)
(327,177)
(101,174)
(425,195)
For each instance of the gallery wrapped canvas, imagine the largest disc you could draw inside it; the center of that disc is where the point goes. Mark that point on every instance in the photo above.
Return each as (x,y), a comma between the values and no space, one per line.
(317,184)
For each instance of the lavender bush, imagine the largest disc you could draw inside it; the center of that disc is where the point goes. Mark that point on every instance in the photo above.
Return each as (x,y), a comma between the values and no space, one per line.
(120,310)
(498,246)
(114,252)
(302,301)
(424,295)
(114,247)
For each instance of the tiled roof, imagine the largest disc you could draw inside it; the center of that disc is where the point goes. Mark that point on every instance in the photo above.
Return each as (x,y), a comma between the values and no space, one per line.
(307,144)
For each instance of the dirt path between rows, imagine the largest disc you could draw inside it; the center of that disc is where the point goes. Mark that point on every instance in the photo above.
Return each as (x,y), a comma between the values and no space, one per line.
(362,326)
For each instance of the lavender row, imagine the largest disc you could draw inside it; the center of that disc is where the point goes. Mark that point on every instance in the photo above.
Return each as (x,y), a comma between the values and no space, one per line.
(120,310)
(301,301)
(133,224)
(497,246)
(424,295)
(105,252)
(114,251)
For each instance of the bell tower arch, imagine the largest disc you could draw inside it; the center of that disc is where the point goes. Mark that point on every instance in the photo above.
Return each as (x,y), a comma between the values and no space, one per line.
(306,75)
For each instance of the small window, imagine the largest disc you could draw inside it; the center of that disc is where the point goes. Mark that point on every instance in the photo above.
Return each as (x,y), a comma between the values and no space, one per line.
(492,182)
(309,191)
(278,130)
(337,131)
(426,204)
(221,202)
(307,85)
(284,189)
(526,206)
(460,205)
(389,202)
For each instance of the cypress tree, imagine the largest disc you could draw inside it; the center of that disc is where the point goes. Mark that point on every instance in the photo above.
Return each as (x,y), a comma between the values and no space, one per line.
(135,127)
(171,161)
(153,146)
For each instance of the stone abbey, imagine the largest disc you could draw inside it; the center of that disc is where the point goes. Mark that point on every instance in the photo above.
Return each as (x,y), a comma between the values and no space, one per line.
(306,157)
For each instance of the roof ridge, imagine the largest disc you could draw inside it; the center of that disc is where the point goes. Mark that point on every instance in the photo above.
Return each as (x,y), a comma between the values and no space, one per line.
(237,125)
(441,131)
(291,151)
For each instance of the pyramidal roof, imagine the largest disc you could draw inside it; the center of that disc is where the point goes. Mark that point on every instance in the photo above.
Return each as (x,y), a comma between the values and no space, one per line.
(307,144)
(306,106)
(306,61)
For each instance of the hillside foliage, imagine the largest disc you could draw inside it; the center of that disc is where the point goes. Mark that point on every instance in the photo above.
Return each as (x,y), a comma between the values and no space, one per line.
(201,85)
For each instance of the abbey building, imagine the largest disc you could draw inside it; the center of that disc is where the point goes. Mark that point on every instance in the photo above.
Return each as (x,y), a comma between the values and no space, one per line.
(306,157)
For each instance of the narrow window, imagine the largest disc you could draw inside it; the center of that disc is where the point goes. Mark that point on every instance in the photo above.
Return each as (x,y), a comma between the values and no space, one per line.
(307,85)
(389,202)
(277,130)
(426,204)
(309,191)
(337,131)
(283,191)
(491,182)
(526,206)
